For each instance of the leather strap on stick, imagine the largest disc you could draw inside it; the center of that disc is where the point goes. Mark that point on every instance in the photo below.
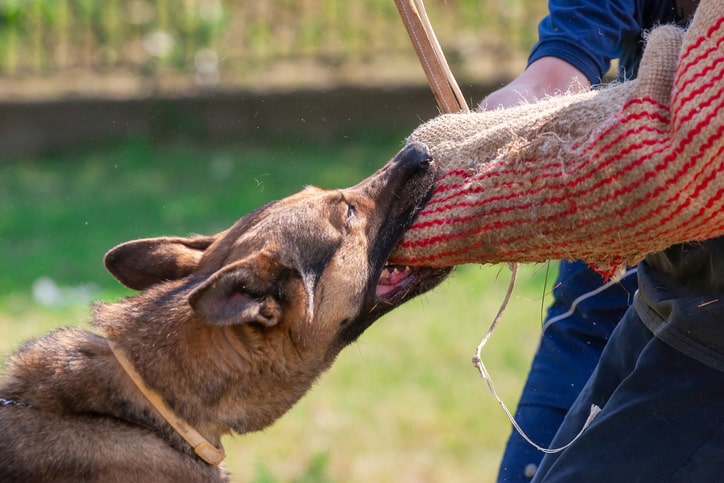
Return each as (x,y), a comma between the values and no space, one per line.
(443,84)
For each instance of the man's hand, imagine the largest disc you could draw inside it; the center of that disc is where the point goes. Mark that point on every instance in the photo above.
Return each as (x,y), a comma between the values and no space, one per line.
(547,76)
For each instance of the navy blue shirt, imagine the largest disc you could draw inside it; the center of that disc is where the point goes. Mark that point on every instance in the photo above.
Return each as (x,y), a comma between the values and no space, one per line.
(588,34)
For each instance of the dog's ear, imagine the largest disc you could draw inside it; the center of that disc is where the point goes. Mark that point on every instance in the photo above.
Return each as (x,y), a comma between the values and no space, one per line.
(138,264)
(242,292)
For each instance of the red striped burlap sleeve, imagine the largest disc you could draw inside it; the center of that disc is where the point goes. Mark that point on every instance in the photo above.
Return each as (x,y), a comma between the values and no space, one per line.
(606,177)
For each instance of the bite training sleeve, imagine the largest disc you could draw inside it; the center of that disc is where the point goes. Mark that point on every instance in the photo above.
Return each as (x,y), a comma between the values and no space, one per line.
(605,176)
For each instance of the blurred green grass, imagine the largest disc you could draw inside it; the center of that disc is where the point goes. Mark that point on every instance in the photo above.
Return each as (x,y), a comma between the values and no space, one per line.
(403,404)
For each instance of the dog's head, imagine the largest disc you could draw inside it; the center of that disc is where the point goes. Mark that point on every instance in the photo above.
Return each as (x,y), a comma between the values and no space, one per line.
(295,281)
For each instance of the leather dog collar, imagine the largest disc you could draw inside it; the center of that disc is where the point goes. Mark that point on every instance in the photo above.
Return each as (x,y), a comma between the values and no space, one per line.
(203,449)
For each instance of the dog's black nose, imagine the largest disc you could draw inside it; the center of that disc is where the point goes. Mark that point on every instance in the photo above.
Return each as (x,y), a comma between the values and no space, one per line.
(415,154)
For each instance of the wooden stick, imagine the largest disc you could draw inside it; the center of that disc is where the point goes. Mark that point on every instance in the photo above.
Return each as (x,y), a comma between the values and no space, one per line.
(446,90)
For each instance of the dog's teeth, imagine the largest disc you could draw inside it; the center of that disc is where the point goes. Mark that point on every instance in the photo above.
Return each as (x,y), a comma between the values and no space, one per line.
(385,273)
(408,269)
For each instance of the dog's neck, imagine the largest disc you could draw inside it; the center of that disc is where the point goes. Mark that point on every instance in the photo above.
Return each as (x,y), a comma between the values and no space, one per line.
(201,446)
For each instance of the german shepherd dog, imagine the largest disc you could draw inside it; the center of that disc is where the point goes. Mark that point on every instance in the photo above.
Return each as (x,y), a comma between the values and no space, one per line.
(226,334)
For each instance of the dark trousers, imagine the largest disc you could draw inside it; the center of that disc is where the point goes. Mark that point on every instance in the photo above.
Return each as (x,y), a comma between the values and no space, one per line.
(584,312)
(662,417)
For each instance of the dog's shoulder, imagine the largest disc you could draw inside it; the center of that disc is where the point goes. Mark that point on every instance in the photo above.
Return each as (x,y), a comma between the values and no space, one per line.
(61,418)
(43,446)
(59,346)
(41,369)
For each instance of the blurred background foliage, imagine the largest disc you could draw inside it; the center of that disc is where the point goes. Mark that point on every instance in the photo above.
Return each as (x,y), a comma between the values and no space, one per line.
(171,45)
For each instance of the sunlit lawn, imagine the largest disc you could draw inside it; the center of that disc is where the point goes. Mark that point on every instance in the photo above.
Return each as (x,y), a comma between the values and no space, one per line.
(402,404)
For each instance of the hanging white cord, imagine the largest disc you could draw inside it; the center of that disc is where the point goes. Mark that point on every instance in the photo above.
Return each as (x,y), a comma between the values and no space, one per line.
(478,362)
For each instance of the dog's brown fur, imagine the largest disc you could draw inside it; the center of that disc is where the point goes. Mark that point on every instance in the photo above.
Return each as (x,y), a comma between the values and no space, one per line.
(230,329)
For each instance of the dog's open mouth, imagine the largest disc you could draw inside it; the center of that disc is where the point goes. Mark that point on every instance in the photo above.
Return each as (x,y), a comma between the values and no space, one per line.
(396,279)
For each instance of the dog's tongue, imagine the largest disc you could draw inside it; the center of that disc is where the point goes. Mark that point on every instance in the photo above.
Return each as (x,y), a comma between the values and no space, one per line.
(391,278)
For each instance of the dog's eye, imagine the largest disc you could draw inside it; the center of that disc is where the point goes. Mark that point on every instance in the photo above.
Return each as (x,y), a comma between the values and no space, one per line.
(351,211)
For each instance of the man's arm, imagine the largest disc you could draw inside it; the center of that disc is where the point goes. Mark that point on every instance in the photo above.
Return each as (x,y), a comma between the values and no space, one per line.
(547,76)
